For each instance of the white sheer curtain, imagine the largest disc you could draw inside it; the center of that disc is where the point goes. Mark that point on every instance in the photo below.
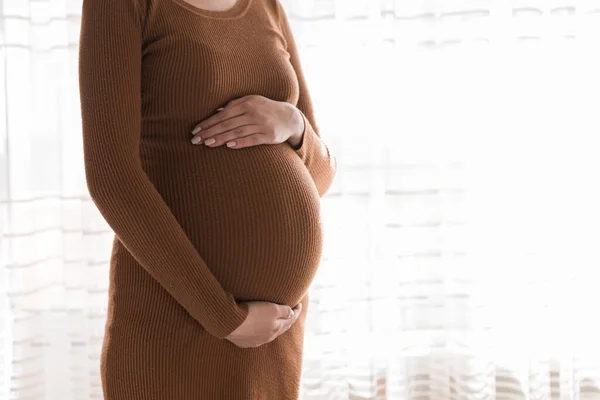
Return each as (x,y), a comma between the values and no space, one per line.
(462,231)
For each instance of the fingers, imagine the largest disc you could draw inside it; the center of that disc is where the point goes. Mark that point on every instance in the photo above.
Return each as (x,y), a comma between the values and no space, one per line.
(284,312)
(232,137)
(287,323)
(234,125)
(203,135)
(232,109)
(297,310)
(221,121)
(281,317)
(247,141)
(219,118)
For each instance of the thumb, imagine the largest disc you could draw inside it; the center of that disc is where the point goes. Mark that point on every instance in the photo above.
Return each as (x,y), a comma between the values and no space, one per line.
(285,312)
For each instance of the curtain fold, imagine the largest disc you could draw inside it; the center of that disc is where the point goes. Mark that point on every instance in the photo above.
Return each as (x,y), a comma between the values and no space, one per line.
(461,232)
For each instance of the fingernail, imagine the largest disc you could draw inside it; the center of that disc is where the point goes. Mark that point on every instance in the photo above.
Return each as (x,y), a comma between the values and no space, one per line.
(196,139)
(291,314)
(220,109)
(210,141)
(196,130)
(230,144)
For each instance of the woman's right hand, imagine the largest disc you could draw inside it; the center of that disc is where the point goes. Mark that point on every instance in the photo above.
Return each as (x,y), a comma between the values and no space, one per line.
(264,323)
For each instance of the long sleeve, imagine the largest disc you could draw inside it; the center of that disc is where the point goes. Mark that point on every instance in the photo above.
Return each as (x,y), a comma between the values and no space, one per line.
(110,88)
(313,151)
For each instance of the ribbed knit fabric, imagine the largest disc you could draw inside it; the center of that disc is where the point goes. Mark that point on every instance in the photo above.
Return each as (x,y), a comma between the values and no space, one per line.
(198,230)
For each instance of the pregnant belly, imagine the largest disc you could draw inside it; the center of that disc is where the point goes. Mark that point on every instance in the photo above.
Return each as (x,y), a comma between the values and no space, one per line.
(253,214)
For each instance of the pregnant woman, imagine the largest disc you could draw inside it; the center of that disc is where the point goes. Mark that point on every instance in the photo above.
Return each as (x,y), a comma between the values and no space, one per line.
(202,154)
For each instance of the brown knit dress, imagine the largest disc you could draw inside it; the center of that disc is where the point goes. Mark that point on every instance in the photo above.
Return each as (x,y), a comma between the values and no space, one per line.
(198,230)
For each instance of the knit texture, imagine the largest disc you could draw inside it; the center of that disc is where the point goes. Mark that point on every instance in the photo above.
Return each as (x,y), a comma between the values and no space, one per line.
(198,230)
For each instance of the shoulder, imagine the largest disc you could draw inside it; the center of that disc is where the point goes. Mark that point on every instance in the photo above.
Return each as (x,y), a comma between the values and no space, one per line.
(273,6)
(277,8)
(117,8)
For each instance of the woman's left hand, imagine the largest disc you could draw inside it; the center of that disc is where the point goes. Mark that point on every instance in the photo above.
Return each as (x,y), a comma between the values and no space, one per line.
(251,121)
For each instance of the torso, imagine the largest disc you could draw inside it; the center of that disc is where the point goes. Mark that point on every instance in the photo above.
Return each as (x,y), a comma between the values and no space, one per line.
(264,245)
(271,236)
